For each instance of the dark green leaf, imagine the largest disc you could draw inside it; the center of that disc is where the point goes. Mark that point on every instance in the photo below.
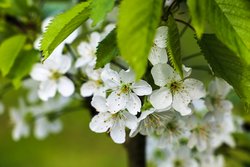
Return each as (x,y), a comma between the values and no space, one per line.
(107,50)
(227,65)
(230,19)
(174,45)
(137,25)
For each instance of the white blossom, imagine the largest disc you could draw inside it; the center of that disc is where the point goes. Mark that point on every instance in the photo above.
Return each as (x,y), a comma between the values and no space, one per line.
(158,53)
(19,119)
(114,123)
(51,76)
(218,90)
(174,91)
(94,85)
(43,127)
(87,51)
(180,157)
(151,121)
(124,90)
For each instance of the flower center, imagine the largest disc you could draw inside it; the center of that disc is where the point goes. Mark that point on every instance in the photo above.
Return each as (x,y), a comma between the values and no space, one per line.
(55,75)
(175,86)
(125,88)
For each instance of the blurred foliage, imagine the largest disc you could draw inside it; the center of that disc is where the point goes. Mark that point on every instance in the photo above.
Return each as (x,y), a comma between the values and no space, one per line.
(76,145)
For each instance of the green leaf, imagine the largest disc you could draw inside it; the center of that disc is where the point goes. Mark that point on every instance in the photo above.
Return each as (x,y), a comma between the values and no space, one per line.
(9,50)
(227,65)
(197,10)
(137,25)
(62,26)
(230,19)
(23,66)
(174,45)
(107,50)
(99,9)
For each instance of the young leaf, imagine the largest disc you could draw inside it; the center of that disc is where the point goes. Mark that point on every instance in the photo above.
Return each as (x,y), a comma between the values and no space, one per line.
(230,20)
(137,24)
(174,45)
(99,9)
(62,26)
(22,66)
(107,50)
(9,51)
(227,65)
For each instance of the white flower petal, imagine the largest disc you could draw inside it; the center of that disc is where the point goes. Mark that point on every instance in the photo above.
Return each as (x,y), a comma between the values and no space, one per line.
(186,71)
(47,89)
(88,89)
(110,77)
(142,88)
(64,64)
(127,76)
(117,132)
(161,37)
(161,98)
(81,62)
(130,120)
(144,114)
(66,86)
(133,104)
(95,38)
(101,122)
(164,74)
(116,101)
(195,88)
(158,55)
(219,88)
(39,73)
(99,103)
(181,100)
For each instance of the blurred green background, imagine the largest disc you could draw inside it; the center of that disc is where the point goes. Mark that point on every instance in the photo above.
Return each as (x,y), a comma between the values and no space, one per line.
(75,146)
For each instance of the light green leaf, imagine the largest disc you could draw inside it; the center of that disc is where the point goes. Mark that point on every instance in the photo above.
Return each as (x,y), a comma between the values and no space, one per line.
(99,9)
(137,25)
(22,66)
(174,45)
(230,20)
(107,50)
(197,9)
(227,65)
(9,50)
(62,26)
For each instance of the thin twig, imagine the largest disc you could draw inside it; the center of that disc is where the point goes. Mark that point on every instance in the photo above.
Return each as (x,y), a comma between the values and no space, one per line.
(184,29)
(185,23)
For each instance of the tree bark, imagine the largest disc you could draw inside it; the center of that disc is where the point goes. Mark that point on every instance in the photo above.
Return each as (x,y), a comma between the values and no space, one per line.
(136,151)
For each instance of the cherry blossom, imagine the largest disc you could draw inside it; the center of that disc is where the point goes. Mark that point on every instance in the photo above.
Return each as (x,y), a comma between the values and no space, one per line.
(158,53)
(174,91)
(51,76)
(124,90)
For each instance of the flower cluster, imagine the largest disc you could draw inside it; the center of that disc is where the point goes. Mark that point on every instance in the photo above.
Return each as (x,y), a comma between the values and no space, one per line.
(176,112)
